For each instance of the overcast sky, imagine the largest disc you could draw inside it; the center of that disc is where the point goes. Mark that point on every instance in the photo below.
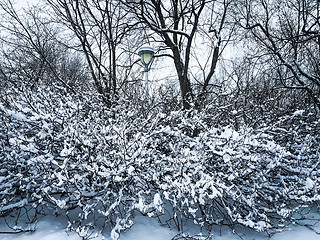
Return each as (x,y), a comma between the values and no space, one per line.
(24,3)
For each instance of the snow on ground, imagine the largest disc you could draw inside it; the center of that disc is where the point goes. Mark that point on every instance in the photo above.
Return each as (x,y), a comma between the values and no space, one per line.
(51,228)
(148,229)
(46,230)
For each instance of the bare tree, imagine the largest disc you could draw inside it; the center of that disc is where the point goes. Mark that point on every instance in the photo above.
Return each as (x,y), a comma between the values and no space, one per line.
(99,28)
(31,54)
(177,23)
(288,36)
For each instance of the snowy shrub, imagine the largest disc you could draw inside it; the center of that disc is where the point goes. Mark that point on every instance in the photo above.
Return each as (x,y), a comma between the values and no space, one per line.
(17,182)
(101,166)
(223,176)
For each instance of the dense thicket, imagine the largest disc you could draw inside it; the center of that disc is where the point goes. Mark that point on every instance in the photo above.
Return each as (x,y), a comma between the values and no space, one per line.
(101,166)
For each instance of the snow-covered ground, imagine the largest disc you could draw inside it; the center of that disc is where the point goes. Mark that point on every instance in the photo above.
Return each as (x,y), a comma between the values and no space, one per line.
(145,228)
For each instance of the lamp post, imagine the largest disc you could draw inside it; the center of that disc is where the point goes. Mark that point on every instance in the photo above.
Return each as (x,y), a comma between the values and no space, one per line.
(146,53)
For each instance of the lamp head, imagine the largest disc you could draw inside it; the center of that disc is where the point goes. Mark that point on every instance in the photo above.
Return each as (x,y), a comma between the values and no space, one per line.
(146,53)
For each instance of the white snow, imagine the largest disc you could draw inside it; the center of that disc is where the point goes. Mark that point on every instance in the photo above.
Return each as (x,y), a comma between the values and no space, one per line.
(18,115)
(14,205)
(46,229)
(298,112)
(140,205)
(157,199)
(309,184)
(131,170)
(145,228)
(148,229)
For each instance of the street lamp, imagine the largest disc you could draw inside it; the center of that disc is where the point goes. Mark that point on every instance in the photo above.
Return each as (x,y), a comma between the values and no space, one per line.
(146,53)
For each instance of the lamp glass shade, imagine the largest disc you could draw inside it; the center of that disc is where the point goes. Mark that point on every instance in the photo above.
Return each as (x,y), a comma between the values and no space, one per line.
(146,53)
(146,58)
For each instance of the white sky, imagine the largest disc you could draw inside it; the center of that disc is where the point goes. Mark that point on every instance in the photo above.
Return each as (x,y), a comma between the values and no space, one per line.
(25,3)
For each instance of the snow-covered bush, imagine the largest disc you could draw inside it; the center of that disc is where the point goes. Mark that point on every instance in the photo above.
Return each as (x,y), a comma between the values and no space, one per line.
(100,166)
(217,175)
